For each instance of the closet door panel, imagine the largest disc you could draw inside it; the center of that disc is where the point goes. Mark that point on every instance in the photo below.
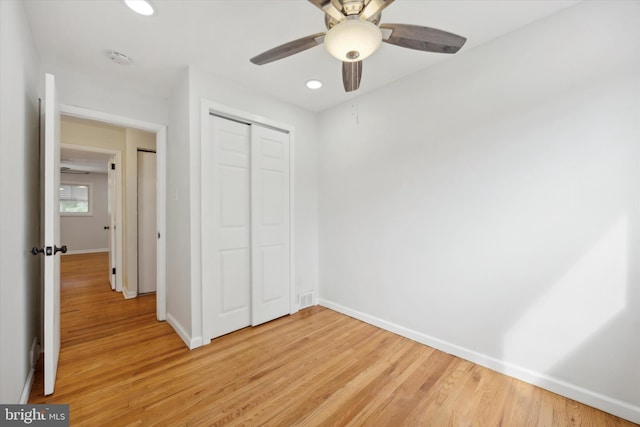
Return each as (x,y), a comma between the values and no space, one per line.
(272,203)
(226,251)
(270,175)
(235,279)
(272,274)
(147,222)
(234,188)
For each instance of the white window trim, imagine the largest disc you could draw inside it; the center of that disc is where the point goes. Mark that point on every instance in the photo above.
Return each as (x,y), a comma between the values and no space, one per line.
(90,186)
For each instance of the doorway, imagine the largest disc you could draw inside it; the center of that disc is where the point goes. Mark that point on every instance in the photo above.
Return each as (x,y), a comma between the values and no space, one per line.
(96,224)
(160,133)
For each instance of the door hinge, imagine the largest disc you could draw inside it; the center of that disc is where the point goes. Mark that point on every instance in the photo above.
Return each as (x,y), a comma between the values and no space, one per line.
(113,270)
(113,166)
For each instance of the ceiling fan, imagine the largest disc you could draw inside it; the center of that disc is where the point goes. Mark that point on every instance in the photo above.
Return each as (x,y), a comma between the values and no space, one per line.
(354,33)
(66,169)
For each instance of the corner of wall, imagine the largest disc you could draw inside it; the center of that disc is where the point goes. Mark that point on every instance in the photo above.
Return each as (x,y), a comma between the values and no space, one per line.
(178,215)
(128,294)
(34,355)
(190,341)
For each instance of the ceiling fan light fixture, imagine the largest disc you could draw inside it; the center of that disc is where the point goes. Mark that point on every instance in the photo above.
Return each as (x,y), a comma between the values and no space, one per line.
(142,7)
(353,40)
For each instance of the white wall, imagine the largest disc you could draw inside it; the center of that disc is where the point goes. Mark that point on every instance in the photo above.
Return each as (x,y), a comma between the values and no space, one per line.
(489,206)
(20,84)
(178,205)
(87,233)
(81,91)
(184,162)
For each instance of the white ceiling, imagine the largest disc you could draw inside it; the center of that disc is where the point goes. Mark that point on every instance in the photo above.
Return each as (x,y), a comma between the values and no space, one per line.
(219,37)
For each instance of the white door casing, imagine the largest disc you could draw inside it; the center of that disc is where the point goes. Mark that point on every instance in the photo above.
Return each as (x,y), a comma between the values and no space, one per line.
(270,296)
(147,219)
(111,232)
(51,231)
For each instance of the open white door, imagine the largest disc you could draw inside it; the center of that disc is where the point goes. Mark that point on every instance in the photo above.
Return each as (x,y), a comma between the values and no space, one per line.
(111,207)
(270,283)
(51,231)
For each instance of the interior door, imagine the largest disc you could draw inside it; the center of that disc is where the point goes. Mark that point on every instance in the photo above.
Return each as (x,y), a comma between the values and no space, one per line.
(147,222)
(111,231)
(270,282)
(226,246)
(51,231)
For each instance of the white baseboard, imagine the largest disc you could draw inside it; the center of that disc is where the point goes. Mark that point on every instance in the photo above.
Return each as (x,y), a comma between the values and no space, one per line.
(588,397)
(86,251)
(127,294)
(34,354)
(191,342)
(26,390)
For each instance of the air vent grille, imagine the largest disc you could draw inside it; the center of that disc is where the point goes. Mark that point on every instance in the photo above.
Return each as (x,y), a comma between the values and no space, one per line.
(306,300)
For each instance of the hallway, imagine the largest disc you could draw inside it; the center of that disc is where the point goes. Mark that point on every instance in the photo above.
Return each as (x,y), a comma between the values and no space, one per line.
(90,310)
(99,329)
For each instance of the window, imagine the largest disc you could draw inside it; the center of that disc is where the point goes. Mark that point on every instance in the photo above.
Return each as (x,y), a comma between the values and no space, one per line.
(75,199)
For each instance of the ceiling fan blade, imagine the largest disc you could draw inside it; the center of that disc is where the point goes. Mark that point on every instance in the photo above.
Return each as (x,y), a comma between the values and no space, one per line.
(333,8)
(288,49)
(373,8)
(422,38)
(351,75)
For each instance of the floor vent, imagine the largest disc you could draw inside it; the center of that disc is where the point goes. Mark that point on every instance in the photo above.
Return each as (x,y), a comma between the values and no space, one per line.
(306,300)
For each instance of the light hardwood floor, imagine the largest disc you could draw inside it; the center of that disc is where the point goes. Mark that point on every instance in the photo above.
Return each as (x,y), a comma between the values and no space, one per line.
(120,367)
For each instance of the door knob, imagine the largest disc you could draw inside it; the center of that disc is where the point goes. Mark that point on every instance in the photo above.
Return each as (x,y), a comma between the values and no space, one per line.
(36,251)
(47,250)
(106,227)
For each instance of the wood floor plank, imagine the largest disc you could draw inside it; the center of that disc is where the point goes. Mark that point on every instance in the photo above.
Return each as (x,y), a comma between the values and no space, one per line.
(298,397)
(398,394)
(120,367)
(490,407)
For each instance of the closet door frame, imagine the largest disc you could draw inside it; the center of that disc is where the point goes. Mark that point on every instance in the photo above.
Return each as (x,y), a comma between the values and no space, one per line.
(212,108)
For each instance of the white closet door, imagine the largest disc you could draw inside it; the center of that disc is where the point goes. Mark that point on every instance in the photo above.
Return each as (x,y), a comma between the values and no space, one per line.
(147,223)
(270,291)
(226,246)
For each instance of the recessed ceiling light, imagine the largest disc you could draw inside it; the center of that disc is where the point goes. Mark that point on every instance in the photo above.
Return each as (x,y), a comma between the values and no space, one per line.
(314,84)
(143,7)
